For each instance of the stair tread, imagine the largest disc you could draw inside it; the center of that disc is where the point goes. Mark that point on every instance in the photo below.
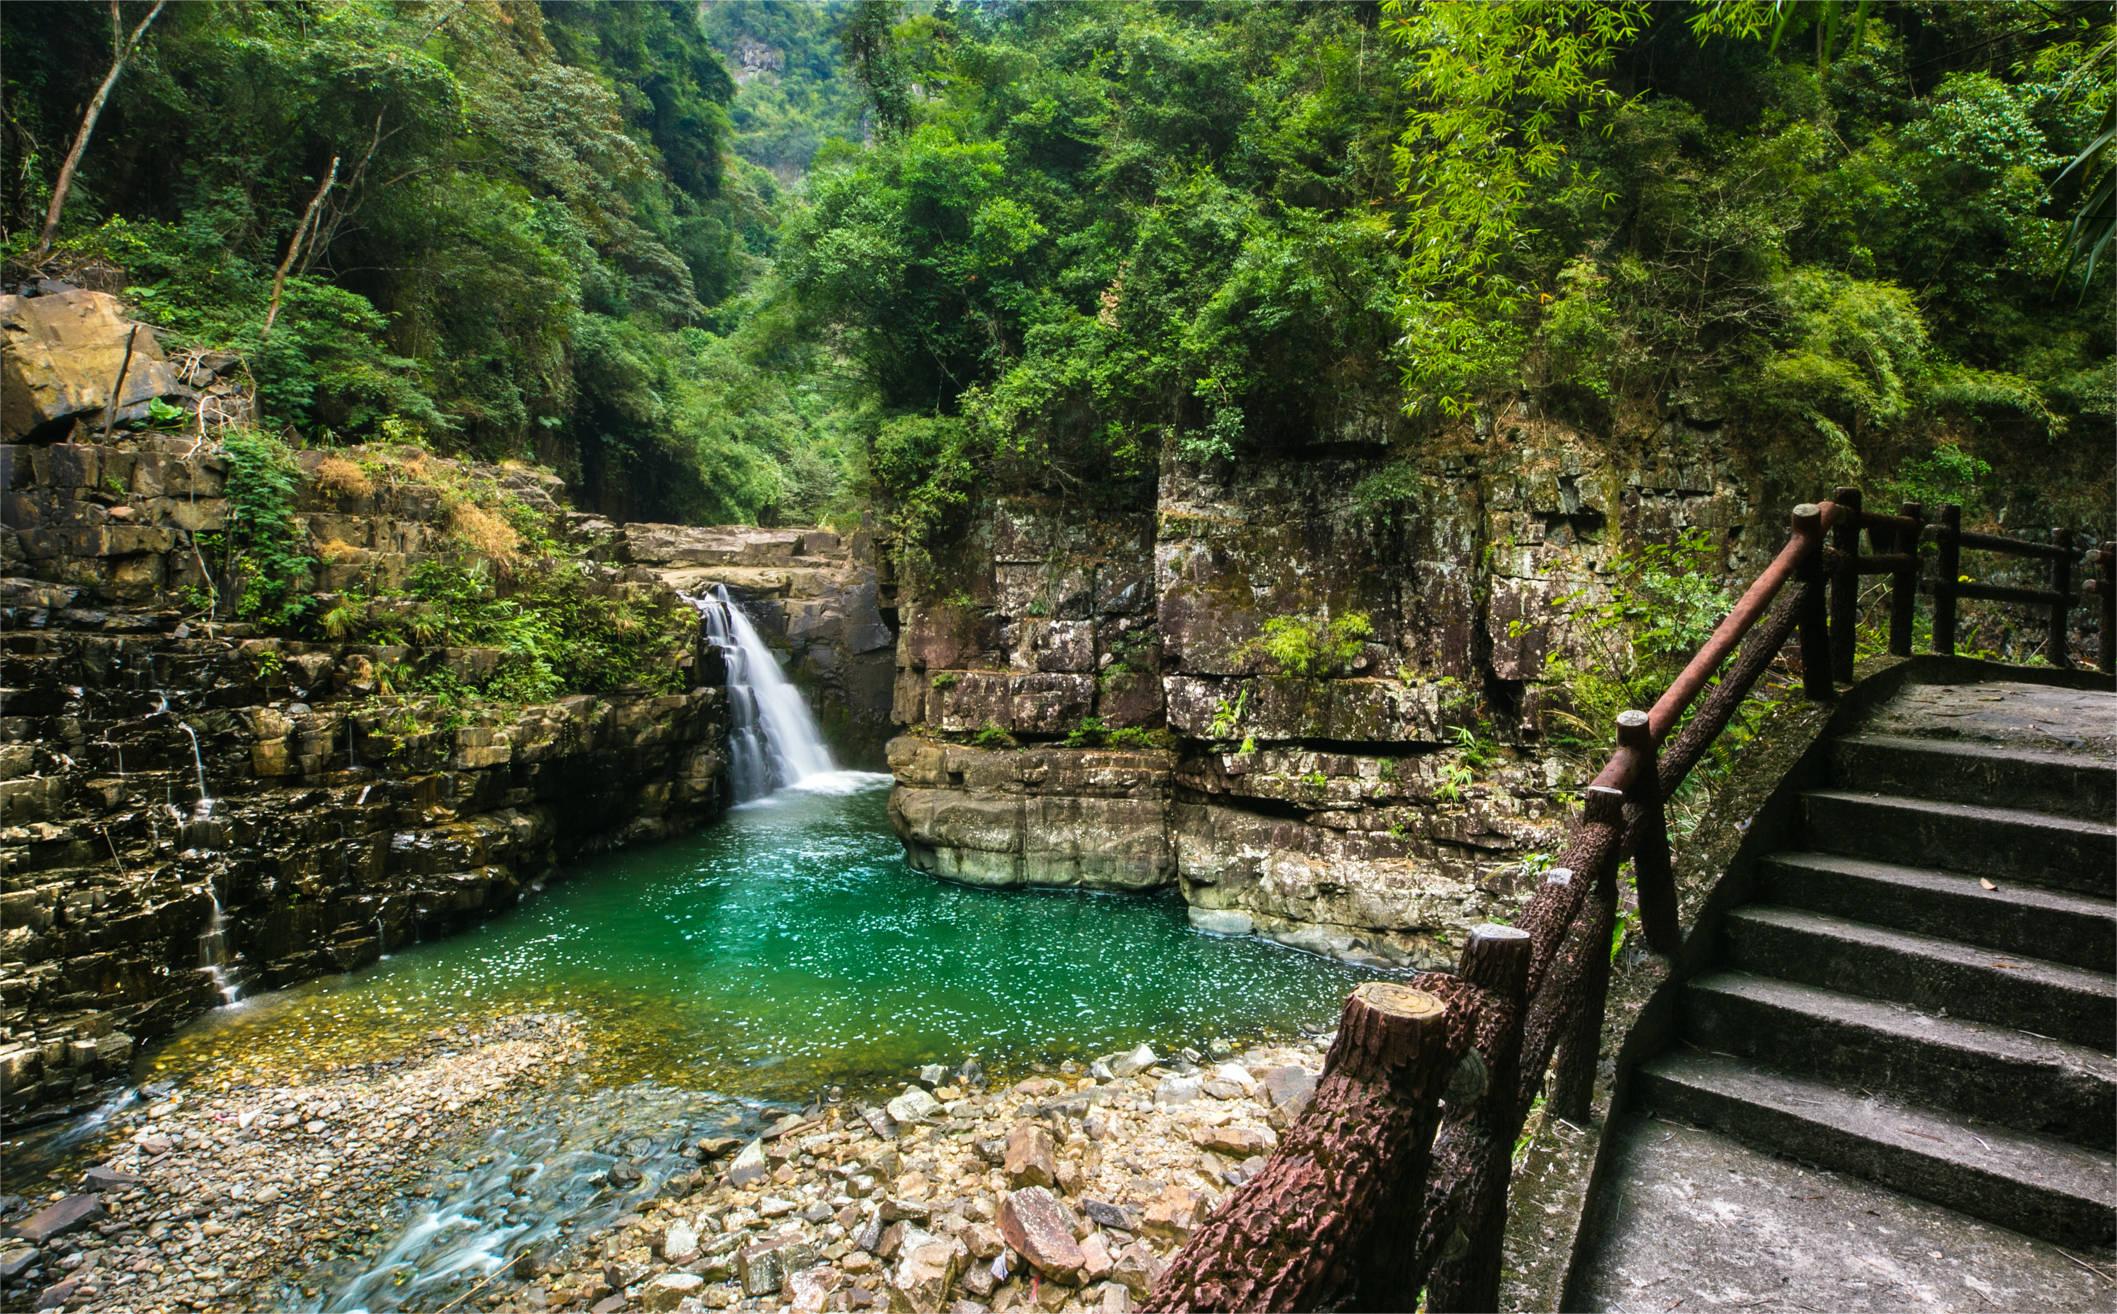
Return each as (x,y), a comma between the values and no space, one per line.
(1970,811)
(1983,748)
(2042,897)
(2053,1165)
(1888,939)
(1902,1020)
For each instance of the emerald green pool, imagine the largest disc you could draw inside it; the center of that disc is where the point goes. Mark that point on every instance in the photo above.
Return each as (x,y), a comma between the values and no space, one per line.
(789,948)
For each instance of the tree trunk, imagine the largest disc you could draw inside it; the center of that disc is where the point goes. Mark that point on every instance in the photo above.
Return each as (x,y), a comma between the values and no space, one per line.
(301,230)
(1344,1186)
(120,53)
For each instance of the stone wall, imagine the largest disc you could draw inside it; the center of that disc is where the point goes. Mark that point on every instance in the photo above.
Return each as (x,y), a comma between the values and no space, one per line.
(816,597)
(338,826)
(1339,811)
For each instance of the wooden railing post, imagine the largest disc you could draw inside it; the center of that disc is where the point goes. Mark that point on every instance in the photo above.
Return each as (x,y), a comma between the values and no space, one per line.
(1476,1146)
(2062,605)
(1651,869)
(1572,1090)
(1330,1217)
(2106,597)
(1814,624)
(1904,590)
(1947,573)
(1845,586)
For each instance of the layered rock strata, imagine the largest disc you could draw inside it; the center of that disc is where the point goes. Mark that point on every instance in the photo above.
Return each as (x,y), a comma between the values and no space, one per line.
(1094,697)
(191,809)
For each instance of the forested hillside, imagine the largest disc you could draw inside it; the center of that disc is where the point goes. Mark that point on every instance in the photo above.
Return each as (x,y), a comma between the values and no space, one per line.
(1089,235)
(1056,241)
(506,229)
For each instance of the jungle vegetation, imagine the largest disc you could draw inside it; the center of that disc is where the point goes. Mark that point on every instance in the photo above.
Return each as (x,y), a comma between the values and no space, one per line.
(925,249)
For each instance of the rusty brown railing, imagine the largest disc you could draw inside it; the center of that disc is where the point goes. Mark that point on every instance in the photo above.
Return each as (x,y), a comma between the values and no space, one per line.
(1396,1180)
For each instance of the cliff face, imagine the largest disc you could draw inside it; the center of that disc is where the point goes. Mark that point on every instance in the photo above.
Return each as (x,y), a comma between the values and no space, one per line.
(339,824)
(1342,808)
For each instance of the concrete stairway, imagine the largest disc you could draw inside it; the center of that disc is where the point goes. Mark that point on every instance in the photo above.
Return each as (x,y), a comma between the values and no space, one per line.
(1922,993)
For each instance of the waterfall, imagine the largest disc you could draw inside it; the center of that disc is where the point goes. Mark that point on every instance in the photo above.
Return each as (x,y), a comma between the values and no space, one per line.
(213,950)
(773,741)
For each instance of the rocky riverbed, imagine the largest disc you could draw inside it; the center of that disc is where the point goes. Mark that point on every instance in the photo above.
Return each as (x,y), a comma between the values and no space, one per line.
(1066,1190)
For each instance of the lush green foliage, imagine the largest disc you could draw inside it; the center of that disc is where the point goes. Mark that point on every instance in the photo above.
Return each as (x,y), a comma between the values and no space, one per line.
(1089,236)
(261,548)
(1314,646)
(531,227)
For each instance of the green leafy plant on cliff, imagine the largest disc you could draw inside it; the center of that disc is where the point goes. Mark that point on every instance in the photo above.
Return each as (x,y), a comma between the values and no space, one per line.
(1313,647)
(1632,632)
(262,553)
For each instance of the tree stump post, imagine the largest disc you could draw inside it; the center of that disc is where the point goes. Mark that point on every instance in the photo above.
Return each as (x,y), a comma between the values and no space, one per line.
(1474,1156)
(1813,622)
(1321,1222)
(1572,1089)
(1845,586)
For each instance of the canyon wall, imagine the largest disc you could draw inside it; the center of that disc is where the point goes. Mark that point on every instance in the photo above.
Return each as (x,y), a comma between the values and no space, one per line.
(1091,697)
(187,806)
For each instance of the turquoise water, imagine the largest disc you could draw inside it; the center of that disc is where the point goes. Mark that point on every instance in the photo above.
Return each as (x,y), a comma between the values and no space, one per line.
(786,949)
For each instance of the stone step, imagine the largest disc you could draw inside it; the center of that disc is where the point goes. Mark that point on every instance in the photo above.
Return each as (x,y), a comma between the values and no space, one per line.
(2067,853)
(1975,1069)
(2063,1002)
(2017,916)
(2034,1184)
(1963,771)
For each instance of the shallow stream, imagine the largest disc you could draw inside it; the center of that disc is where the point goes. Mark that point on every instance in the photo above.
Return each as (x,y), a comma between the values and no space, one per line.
(786,950)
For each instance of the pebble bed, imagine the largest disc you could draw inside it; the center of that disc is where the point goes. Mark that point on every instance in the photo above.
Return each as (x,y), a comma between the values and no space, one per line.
(1067,1190)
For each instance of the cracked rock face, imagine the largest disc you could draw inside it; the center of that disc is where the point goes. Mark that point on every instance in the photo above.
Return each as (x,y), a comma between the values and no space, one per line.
(1090,699)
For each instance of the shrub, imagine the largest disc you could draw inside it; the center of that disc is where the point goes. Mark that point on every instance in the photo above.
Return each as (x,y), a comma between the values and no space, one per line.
(1313,646)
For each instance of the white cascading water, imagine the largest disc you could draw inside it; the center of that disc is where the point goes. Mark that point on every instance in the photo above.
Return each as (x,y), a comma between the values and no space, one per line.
(213,941)
(773,741)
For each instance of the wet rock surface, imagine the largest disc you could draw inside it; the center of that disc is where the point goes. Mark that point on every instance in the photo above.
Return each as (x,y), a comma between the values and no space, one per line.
(308,1194)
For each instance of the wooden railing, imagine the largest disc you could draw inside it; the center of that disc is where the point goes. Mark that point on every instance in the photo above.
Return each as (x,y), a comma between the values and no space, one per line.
(1396,1178)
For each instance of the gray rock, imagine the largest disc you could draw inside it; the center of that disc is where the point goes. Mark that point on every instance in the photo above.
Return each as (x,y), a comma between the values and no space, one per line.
(1125,1065)
(1222,921)
(102,1177)
(914,1105)
(15,1260)
(879,1122)
(668,1291)
(1178,1089)
(932,1075)
(55,1220)
(1110,1215)
(1288,1090)
(749,1166)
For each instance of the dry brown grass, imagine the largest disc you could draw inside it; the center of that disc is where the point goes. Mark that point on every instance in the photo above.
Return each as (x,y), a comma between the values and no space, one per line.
(334,550)
(484,533)
(335,474)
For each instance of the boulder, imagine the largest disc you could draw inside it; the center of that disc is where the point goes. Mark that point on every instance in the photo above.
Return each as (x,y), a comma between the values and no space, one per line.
(1032,1156)
(75,1211)
(668,1291)
(1288,1090)
(914,1105)
(926,1271)
(1236,1139)
(1039,1228)
(1138,1060)
(1179,1089)
(1175,1213)
(678,1243)
(60,354)
(749,1166)
(765,1267)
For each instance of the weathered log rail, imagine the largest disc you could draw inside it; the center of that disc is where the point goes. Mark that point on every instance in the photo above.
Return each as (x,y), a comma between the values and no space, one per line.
(1395,1180)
